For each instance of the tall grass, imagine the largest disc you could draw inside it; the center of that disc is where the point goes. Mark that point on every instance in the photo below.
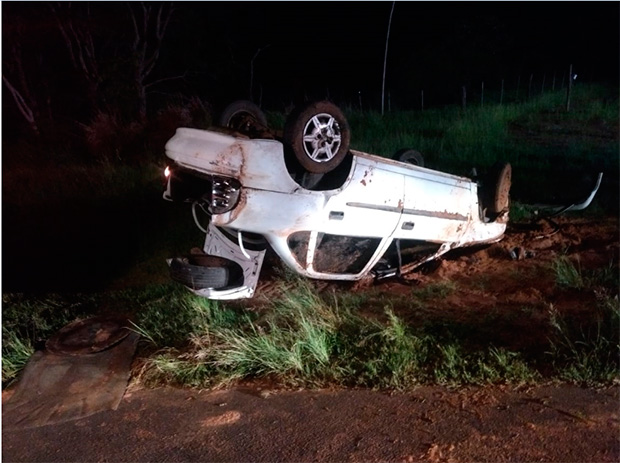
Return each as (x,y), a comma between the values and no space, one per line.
(28,321)
(16,352)
(303,338)
(587,351)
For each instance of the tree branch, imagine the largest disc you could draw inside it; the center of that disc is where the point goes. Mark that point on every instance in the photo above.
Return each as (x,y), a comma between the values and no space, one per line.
(23,107)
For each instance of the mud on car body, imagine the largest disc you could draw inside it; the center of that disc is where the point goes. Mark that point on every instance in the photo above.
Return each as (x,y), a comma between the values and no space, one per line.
(328,211)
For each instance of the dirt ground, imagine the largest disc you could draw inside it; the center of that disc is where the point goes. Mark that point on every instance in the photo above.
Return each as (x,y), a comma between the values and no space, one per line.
(504,290)
(430,424)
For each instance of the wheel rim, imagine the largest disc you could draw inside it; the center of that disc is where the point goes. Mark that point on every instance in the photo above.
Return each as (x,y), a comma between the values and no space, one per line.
(322,138)
(241,120)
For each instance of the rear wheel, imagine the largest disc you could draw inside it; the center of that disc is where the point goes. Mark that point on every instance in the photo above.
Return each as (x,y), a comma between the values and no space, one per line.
(410,156)
(502,173)
(245,117)
(495,193)
(318,135)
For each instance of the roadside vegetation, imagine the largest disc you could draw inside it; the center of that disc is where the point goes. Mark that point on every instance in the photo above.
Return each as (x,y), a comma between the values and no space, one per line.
(301,336)
(306,338)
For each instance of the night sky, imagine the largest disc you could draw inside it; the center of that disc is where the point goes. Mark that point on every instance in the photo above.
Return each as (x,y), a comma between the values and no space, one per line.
(305,50)
(337,48)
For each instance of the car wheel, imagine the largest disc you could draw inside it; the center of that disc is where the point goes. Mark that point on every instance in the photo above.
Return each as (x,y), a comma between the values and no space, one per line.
(500,177)
(318,135)
(410,156)
(243,116)
(201,271)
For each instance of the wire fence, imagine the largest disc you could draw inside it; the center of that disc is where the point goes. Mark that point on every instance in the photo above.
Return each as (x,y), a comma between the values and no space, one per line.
(517,89)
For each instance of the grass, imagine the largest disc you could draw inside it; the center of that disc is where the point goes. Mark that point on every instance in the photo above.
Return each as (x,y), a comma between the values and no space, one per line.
(16,352)
(28,321)
(569,274)
(439,289)
(304,338)
(587,352)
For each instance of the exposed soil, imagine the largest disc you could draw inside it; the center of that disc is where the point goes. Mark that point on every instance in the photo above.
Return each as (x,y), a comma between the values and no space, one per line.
(430,424)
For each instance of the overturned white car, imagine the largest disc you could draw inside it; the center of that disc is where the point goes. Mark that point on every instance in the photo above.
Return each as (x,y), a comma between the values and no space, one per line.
(329,212)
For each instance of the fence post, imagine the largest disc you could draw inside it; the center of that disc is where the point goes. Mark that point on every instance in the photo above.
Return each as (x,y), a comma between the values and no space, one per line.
(542,90)
(464,98)
(482,95)
(387,39)
(553,85)
(529,87)
(570,87)
(501,94)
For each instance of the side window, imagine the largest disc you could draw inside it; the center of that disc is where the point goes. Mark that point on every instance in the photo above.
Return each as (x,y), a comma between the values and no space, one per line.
(298,244)
(343,254)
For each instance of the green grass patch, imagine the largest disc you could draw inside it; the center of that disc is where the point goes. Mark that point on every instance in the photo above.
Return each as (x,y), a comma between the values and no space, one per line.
(439,289)
(303,338)
(28,321)
(569,274)
(311,339)
(587,353)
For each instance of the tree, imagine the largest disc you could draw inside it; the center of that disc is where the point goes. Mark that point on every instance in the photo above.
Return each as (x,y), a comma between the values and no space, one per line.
(77,30)
(149,26)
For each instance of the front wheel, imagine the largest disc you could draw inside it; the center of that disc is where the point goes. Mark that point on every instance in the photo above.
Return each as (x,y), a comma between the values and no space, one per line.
(318,135)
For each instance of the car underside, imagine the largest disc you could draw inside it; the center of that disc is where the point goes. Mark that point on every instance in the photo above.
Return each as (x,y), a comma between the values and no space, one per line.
(334,220)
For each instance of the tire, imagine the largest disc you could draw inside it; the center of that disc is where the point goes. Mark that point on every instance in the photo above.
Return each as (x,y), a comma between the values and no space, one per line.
(200,273)
(499,180)
(243,116)
(410,156)
(318,136)
(89,336)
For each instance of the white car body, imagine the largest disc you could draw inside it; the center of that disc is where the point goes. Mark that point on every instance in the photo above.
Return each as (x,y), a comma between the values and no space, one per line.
(380,202)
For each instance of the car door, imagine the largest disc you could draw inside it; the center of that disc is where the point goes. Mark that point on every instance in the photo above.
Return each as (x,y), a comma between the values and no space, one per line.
(360,220)
(437,206)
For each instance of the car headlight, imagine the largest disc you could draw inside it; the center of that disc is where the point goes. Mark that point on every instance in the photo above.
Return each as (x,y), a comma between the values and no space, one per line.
(224,195)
